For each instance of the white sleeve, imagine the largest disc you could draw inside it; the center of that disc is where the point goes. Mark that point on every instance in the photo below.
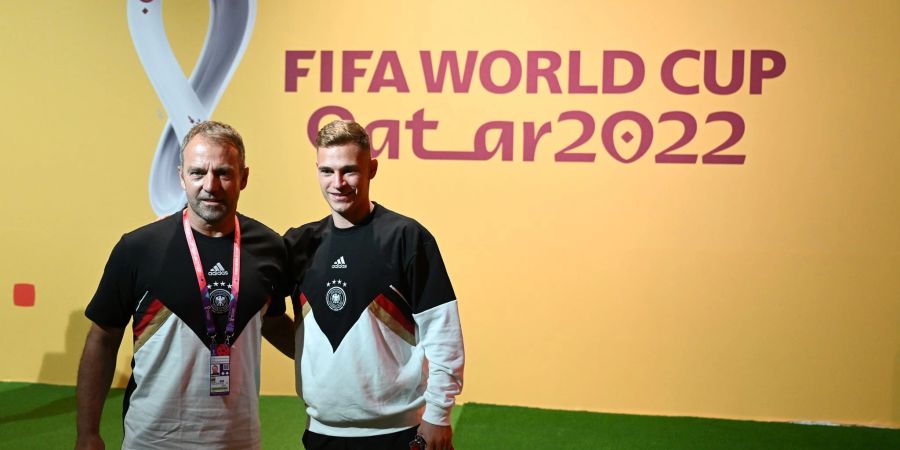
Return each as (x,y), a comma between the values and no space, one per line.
(440,336)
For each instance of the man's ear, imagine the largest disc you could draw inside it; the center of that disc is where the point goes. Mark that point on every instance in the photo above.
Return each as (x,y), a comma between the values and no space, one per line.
(180,178)
(373,167)
(245,174)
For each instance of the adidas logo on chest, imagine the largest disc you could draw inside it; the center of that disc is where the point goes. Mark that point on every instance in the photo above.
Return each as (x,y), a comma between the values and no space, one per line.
(339,263)
(218,269)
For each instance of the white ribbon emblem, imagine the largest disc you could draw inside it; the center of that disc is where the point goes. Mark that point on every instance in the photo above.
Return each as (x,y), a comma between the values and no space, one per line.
(186,101)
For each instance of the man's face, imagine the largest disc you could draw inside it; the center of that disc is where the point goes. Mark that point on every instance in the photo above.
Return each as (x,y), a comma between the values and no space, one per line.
(344,174)
(212,178)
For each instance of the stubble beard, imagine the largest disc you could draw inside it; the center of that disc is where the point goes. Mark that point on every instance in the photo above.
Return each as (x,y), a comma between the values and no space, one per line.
(212,215)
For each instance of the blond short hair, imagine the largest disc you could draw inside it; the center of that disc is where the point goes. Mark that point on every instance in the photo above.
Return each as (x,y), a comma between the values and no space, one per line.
(342,132)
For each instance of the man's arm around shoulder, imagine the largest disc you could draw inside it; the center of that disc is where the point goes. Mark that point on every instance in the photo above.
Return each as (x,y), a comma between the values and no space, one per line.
(279,331)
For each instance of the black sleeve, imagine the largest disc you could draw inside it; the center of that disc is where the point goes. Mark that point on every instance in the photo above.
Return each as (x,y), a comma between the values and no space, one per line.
(276,306)
(428,279)
(289,281)
(301,244)
(282,285)
(288,284)
(113,303)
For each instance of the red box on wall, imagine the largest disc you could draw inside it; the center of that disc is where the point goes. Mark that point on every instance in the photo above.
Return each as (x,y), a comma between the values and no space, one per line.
(23,294)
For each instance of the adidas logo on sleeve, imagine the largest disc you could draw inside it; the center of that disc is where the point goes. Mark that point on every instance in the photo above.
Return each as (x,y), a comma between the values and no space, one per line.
(218,269)
(339,263)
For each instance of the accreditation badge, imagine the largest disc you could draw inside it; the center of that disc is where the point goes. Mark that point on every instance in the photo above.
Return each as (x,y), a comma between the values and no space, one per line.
(219,375)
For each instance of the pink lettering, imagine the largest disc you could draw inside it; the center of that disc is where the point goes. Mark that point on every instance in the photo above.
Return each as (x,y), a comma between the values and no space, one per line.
(758,58)
(434,82)
(486,75)
(504,141)
(668,72)
(391,137)
(350,72)
(387,60)
(709,73)
(535,71)
(532,137)
(609,71)
(291,71)
(575,86)
(326,81)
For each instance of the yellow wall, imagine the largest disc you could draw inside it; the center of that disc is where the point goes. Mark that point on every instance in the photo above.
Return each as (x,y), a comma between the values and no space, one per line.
(767,290)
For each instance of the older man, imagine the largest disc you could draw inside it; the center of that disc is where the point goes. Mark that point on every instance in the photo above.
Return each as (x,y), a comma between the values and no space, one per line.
(196,286)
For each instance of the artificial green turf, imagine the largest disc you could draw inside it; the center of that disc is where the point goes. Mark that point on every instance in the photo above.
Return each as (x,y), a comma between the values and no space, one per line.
(282,421)
(505,427)
(43,416)
(40,416)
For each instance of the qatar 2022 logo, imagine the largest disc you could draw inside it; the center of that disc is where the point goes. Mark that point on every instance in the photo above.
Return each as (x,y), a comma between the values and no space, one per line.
(187,101)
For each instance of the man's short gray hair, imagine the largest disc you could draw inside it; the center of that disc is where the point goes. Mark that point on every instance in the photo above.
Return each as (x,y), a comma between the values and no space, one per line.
(218,132)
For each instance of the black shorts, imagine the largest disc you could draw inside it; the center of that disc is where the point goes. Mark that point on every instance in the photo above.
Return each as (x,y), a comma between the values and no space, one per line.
(393,441)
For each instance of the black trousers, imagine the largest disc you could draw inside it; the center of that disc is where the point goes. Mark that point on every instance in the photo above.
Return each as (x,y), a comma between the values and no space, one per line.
(394,441)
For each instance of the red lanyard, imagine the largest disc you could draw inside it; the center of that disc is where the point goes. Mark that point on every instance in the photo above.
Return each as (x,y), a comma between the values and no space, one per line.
(201,280)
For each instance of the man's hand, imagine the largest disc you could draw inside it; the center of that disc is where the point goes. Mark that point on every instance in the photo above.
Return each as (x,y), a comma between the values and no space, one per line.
(437,437)
(92,442)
